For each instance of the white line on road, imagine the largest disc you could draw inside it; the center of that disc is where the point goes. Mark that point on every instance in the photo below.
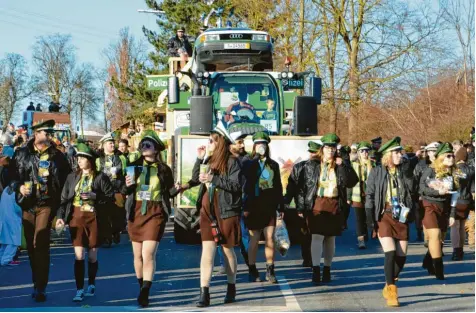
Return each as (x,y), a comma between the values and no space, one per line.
(291,302)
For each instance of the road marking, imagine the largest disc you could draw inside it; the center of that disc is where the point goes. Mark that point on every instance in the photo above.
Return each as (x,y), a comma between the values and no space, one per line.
(291,302)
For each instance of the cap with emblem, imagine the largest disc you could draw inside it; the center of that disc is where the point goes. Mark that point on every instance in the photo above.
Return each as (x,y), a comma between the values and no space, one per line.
(392,145)
(313,146)
(152,135)
(83,150)
(47,125)
(432,146)
(364,145)
(107,137)
(330,139)
(376,140)
(445,147)
(260,137)
(221,130)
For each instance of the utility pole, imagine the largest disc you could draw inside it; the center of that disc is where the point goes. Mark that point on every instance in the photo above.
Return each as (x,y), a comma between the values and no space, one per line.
(301,36)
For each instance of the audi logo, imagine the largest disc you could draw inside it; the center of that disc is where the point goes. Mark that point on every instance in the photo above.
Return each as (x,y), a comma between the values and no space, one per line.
(236,36)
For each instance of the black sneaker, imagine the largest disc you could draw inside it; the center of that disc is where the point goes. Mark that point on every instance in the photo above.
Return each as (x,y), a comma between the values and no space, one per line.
(40,297)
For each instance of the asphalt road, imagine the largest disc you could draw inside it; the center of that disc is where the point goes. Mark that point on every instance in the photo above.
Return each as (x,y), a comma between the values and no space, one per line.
(357,282)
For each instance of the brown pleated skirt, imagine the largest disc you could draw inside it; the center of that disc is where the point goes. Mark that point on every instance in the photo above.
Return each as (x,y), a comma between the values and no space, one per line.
(229,227)
(150,226)
(389,227)
(322,221)
(435,216)
(84,230)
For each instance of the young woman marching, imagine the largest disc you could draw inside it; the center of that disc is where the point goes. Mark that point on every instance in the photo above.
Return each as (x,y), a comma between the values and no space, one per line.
(322,191)
(437,184)
(388,204)
(85,201)
(263,197)
(465,176)
(356,196)
(220,204)
(150,186)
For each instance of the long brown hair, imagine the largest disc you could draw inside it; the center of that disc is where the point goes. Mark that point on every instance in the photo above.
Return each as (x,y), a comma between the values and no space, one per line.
(220,156)
(92,163)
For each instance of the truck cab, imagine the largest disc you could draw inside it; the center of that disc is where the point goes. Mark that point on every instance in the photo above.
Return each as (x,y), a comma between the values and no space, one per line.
(62,122)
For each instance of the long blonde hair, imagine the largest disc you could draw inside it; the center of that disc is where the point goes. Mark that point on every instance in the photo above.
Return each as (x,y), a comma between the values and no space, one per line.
(442,170)
(332,163)
(387,160)
(367,162)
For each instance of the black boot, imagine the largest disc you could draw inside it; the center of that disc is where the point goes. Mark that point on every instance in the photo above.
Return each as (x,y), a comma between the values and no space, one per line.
(428,264)
(316,275)
(270,276)
(326,274)
(230,293)
(439,270)
(204,299)
(460,254)
(454,256)
(143,298)
(253,274)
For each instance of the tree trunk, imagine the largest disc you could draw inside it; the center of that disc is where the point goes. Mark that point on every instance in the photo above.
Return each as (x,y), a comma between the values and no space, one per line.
(354,96)
(301,35)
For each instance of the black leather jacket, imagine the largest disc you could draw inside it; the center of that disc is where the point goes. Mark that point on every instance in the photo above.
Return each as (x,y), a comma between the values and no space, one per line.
(376,192)
(292,188)
(167,188)
(231,184)
(465,175)
(252,174)
(308,183)
(101,186)
(24,167)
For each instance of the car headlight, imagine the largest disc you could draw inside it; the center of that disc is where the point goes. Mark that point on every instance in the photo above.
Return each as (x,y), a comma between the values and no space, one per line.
(206,74)
(212,37)
(284,74)
(290,74)
(261,37)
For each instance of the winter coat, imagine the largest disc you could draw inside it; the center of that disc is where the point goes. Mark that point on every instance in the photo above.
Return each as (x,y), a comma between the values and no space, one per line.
(230,183)
(10,218)
(24,167)
(175,43)
(101,186)
(252,173)
(308,184)
(292,189)
(120,163)
(376,193)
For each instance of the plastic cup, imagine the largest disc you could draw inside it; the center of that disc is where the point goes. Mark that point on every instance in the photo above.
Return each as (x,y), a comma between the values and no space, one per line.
(28,185)
(203,168)
(130,171)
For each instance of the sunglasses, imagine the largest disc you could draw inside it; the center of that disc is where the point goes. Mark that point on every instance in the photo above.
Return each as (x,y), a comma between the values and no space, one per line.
(450,156)
(146,145)
(364,151)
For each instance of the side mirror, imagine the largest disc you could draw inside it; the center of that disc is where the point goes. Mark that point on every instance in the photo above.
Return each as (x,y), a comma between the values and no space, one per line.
(173,90)
(316,89)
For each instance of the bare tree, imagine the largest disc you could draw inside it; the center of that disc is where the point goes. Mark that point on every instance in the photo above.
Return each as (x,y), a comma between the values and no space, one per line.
(85,97)
(55,61)
(14,85)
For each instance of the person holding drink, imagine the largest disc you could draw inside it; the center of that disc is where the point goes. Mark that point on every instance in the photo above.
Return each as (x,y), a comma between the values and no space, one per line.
(263,196)
(39,172)
(438,185)
(86,197)
(150,185)
(220,204)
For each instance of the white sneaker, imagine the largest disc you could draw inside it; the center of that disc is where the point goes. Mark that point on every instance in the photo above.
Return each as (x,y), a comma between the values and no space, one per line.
(90,291)
(79,296)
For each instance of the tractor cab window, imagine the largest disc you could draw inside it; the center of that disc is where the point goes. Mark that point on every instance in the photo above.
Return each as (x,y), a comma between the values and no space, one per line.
(247,100)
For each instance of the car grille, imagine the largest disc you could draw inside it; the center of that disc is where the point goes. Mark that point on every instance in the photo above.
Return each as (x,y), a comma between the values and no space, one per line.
(241,36)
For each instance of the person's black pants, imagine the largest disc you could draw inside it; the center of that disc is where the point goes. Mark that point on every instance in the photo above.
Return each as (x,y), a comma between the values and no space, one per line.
(419,214)
(37,226)
(361,222)
(306,239)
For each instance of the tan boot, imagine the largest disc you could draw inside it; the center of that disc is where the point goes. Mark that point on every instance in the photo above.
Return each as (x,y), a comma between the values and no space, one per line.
(392,294)
(384,292)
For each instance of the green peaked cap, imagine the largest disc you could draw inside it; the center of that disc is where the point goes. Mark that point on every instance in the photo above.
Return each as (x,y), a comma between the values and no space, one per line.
(313,146)
(330,139)
(261,137)
(152,135)
(391,145)
(444,148)
(364,145)
(85,151)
